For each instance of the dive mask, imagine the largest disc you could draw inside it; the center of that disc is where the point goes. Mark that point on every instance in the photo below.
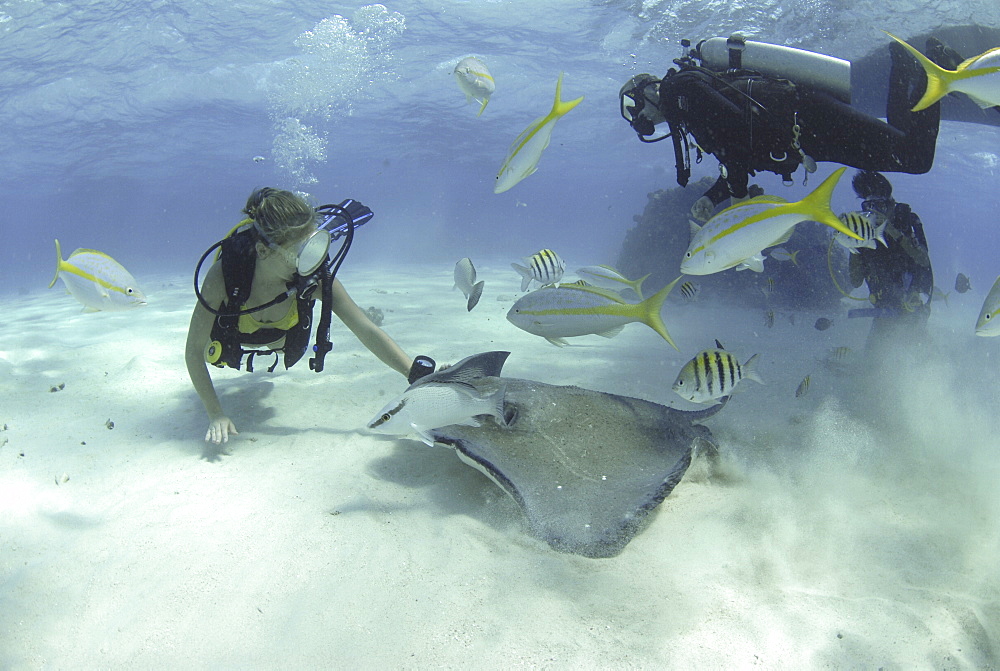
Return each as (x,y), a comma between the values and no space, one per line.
(639,102)
(308,255)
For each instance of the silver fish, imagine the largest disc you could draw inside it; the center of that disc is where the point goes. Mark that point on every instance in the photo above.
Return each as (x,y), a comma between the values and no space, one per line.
(455,395)
(862,224)
(713,374)
(544,266)
(465,281)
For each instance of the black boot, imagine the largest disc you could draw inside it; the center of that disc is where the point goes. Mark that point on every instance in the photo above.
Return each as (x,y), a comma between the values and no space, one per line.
(943,55)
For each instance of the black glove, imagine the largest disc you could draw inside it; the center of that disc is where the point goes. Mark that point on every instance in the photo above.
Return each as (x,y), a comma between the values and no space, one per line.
(422,365)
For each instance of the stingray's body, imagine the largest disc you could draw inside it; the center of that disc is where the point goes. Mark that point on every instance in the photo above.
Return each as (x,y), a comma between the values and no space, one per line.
(585,466)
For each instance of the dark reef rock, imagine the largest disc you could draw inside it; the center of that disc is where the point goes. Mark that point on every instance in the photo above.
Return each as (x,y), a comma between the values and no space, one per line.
(657,242)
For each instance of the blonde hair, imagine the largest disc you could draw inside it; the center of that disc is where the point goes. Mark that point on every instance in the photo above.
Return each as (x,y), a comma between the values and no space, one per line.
(279,215)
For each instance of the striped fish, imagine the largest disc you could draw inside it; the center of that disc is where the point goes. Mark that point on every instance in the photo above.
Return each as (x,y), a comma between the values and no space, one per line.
(97,280)
(545,267)
(690,290)
(803,387)
(862,225)
(713,374)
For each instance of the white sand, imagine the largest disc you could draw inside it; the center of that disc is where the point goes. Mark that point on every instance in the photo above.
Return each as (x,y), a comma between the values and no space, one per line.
(850,530)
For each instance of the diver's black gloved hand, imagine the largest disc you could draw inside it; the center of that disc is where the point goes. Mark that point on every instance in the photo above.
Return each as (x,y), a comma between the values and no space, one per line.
(358,213)
(422,365)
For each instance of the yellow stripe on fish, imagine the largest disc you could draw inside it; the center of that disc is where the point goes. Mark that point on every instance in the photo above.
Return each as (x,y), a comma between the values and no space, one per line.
(738,235)
(524,154)
(977,77)
(97,280)
(569,310)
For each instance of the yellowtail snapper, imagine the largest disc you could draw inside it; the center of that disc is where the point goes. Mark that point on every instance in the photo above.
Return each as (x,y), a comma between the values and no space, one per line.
(568,310)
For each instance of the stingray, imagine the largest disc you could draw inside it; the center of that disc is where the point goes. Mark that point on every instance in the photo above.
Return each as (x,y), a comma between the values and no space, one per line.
(585,467)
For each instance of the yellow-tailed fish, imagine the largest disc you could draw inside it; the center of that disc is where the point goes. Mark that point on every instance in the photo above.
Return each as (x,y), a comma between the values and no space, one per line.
(782,254)
(861,223)
(737,236)
(97,280)
(544,266)
(569,310)
(475,80)
(713,374)
(988,323)
(977,77)
(607,277)
(524,154)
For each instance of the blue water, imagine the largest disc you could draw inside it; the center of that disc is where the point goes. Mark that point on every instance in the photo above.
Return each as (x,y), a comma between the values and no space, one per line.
(131,127)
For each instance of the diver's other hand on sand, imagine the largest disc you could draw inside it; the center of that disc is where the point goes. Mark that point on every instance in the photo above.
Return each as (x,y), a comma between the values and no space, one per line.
(702,208)
(219,430)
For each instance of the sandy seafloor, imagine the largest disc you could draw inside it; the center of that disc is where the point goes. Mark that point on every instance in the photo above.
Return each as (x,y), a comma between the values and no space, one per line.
(855,527)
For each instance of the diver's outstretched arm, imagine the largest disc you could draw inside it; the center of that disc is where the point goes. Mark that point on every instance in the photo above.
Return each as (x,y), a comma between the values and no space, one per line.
(371,336)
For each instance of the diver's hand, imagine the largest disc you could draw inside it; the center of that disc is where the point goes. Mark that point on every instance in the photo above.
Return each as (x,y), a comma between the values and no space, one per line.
(219,430)
(702,208)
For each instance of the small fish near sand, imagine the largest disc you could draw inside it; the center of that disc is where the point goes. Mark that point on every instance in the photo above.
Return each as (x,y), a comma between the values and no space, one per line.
(525,152)
(737,236)
(97,281)
(803,387)
(475,80)
(607,277)
(713,374)
(988,324)
(455,395)
(569,310)
(544,266)
(465,281)
(823,324)
(962,283)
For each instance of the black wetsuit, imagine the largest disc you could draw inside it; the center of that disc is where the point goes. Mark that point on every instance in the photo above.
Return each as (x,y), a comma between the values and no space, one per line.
(899,272)
(716,110)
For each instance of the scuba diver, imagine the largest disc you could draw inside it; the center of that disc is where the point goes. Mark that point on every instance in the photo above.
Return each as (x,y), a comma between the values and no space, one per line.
(257,297)
(737,100)
(899,274)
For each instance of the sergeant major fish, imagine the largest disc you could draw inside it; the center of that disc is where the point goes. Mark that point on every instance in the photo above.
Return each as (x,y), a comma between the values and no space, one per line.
(713,374)
(97,280)
(465,280)
(524,154)
(455,395)
(544,266)
(861,224)
(737,236)
(475,80)
(568,310)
